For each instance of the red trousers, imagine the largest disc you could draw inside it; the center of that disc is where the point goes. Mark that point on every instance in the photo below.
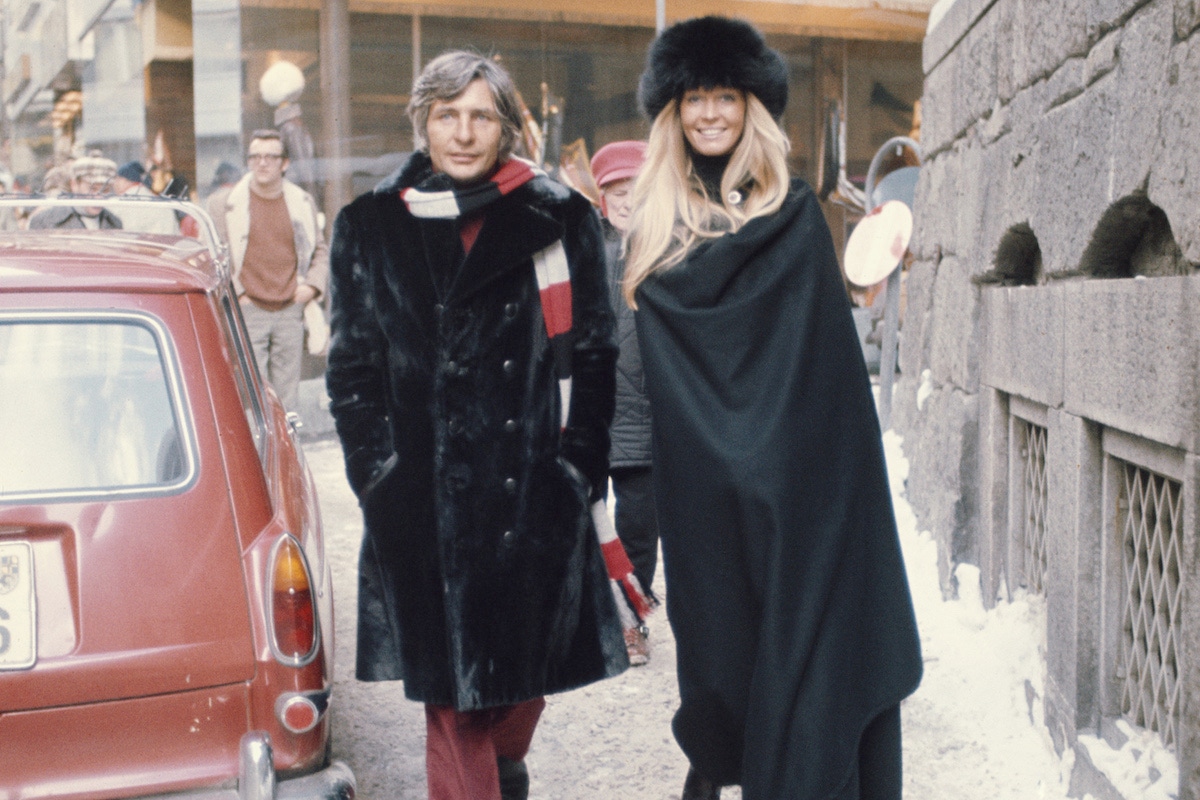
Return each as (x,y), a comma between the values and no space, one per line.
(461,747)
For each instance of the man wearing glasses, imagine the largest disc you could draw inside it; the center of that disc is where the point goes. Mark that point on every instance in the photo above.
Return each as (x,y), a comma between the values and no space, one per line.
(280,260)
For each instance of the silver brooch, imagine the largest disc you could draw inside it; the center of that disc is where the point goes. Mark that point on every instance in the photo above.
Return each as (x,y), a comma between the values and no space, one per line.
(734,198)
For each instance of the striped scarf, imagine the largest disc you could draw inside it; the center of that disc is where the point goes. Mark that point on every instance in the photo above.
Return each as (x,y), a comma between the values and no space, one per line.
(554,290)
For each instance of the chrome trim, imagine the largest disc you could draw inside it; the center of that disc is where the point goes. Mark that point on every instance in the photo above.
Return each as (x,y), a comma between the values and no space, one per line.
(179,403)
(269,600)
(256,770)
(259,781)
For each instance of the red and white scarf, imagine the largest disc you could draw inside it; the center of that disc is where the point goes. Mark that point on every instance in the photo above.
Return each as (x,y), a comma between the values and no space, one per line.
(554,290)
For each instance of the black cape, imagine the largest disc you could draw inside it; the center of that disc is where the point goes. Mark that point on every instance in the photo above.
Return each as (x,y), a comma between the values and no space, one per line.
(786,588)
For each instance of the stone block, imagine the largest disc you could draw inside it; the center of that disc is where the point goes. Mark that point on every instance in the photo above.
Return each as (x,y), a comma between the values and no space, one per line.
(994,491)
(1022,348)
(1188,746)
(1139,96)
(938,101)
(1173,184)
(949,30)
(1187,17)
(914,339)
(1074,551)
(1102,59)
(942,475)
(953,340)
(1046,40)
(1066,82)
(933,218)
(1075,158)
(976,62)
(1130,356)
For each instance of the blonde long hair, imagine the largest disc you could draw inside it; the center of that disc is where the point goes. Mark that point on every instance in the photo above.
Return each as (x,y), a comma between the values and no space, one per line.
(672,209)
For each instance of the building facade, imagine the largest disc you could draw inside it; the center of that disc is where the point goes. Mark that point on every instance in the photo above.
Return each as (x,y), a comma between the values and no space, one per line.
(1050,390)
(176,83)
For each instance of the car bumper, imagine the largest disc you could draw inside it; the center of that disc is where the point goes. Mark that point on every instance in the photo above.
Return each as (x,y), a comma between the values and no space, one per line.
(258,781)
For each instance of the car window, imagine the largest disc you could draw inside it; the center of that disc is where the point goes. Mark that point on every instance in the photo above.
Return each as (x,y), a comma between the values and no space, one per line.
(243,369)
(90,405)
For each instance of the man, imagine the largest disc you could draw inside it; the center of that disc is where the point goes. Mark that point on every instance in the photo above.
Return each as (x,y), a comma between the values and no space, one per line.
(614,167)
(91,175)
(481,580)
(132,180)
(280,261)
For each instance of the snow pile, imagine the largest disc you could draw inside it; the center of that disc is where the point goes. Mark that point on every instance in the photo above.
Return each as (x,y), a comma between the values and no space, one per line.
(975,728)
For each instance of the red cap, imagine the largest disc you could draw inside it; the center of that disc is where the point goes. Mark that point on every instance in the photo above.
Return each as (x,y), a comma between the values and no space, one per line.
(617,161)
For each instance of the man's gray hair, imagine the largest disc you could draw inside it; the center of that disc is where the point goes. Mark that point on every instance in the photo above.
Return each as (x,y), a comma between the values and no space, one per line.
(447,76)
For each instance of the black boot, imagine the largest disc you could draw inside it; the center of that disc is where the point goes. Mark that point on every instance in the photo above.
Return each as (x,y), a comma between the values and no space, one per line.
(696,787)
(514,779)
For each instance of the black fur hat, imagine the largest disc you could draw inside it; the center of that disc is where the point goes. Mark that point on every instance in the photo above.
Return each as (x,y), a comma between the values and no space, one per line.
(706,52)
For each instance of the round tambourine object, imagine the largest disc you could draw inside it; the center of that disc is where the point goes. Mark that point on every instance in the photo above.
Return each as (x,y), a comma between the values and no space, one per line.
(878,243)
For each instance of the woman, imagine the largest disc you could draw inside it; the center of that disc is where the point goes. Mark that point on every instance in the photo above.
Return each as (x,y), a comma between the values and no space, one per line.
(786,590)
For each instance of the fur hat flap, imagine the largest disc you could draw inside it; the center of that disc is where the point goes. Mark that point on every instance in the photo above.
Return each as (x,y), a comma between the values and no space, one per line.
(706,52)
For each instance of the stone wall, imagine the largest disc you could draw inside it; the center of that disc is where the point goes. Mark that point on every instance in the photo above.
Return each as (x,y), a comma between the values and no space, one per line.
(1054,284)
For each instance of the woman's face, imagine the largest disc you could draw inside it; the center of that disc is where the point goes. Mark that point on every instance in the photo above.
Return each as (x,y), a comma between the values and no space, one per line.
(713,119)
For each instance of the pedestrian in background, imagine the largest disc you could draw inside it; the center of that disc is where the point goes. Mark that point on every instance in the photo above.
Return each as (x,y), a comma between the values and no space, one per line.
(91,175)
(786,591)
(132,180)
(614,167)
(280,260)
(467,289)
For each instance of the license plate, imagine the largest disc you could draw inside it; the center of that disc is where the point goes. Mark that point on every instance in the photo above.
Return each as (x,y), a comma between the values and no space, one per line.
(18,646)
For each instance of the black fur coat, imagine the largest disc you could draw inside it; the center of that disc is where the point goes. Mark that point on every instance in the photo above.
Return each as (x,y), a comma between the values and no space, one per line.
(481,581)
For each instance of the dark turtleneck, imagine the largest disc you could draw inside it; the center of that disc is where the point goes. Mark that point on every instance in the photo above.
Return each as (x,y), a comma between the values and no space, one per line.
(710,170)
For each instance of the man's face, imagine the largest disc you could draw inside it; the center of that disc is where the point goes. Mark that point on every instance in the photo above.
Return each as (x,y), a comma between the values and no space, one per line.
(618,202)
(464,134)
(265,159)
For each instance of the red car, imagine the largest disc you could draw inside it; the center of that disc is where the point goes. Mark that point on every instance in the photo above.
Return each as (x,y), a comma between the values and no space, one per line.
(166,617)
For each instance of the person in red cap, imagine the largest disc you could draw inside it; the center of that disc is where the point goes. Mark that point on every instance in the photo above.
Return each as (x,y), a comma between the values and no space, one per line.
(614,167)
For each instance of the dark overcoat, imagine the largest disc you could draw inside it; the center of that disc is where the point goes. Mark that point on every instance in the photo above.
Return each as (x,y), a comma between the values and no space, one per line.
(481,581)
(786,589)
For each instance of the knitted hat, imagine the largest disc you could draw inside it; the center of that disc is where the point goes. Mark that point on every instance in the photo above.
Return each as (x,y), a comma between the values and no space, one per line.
(617,161)
(132,171)
(708,52)
(93,168)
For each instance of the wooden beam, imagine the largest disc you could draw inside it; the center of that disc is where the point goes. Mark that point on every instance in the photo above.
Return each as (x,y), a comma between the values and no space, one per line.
(872,20)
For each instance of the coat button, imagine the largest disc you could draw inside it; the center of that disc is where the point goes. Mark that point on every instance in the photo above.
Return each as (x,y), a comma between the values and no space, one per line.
(455,425)
(510,485)
(452,367)
(510,425)
(510,310)
(509,536)
(510,367)
(438,308)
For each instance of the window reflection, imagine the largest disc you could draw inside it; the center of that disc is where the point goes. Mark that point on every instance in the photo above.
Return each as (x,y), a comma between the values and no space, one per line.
(85,406)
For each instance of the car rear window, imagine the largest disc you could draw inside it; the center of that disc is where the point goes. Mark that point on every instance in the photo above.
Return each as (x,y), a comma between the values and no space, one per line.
(88,405)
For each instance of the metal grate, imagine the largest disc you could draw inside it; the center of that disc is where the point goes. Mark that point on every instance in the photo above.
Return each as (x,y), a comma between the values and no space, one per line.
(1149,521)
(1033,525)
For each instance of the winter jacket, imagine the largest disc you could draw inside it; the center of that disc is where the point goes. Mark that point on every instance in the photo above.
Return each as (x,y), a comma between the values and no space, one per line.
(631,419)
(481,581)
(230,210)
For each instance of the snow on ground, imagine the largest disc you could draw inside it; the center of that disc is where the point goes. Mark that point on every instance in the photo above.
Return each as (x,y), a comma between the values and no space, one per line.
(974,728)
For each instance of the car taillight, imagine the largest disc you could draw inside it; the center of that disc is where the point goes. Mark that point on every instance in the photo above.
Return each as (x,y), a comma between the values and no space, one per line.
(293,618)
